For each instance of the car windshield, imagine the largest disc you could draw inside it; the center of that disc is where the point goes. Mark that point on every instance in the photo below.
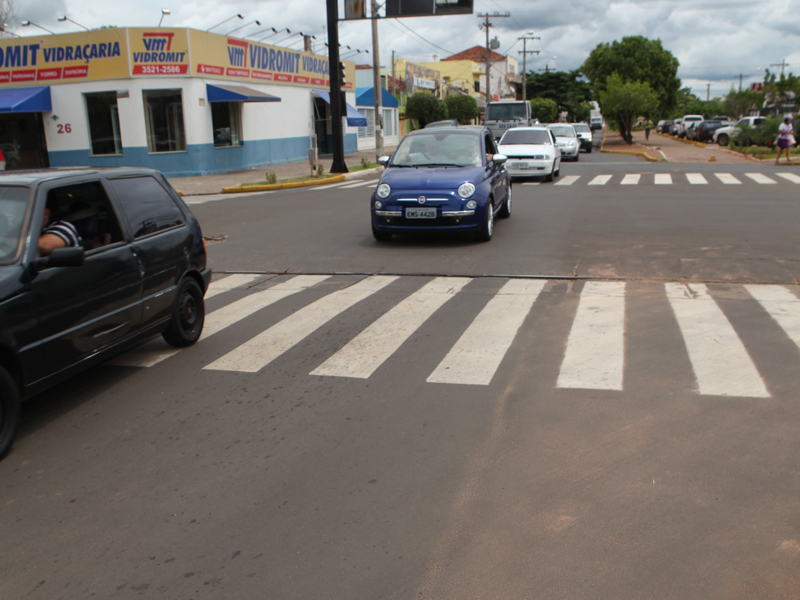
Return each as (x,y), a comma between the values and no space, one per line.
(14,205)
(582,128)
(506,112)
(442,149)
(521,136)
(563,131)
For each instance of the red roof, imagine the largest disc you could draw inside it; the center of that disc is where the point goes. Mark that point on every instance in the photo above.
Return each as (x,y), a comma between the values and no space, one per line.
(477,54)
(362,67)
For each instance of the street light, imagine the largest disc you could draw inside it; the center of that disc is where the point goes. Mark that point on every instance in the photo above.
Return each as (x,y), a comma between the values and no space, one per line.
(4,30)
(164,13)
(276,33)
(286,38)
(29,23)
(62,18)
(243,26)
(225,21)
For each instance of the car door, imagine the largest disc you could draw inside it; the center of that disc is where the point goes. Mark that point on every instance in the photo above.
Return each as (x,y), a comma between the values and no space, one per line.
(496,174)
(162,241)
(83,309)
(557,151)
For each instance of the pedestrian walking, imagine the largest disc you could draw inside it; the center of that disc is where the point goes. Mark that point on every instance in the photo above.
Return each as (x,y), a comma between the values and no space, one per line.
(785,137)
(648,125)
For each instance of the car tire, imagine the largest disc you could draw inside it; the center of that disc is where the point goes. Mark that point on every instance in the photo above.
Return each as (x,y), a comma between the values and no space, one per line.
(589,150)
(505,210)
(486,232)
(558,171)
(9,410)
(188,315)
(381,236)
(550,175)
(577,156)
(722,139)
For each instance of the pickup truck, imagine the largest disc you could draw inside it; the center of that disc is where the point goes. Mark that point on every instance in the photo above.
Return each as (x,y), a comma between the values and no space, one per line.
(723,135)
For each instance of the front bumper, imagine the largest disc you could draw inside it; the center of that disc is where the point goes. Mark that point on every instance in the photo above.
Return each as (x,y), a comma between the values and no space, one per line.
(451,213)
(585,144)
(531,168)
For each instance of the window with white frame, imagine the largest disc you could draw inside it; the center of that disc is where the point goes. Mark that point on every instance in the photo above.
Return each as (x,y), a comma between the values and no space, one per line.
(369,130)
(388,121)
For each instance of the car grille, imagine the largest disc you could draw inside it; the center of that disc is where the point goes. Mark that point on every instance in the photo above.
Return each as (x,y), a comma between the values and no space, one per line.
(437,222)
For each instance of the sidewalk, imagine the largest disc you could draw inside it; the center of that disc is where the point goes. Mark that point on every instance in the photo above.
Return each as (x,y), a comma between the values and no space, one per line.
(674,151)
(213,184)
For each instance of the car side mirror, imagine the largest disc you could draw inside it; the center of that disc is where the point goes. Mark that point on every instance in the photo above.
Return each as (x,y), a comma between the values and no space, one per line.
(62,257)
(499,159)
(384,160)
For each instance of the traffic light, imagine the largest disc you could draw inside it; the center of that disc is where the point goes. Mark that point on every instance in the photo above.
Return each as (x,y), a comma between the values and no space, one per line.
(342,73)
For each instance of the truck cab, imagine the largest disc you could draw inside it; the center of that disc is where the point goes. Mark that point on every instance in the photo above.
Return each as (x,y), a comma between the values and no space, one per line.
(502,116)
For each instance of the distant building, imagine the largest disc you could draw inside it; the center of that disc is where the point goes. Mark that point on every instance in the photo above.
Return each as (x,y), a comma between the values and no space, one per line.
(503,70)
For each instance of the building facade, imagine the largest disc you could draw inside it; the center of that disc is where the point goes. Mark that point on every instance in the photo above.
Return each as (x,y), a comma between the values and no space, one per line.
(183,101)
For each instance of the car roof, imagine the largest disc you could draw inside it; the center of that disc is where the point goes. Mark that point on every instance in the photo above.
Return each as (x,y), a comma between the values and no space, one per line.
(452,128)
(37,176)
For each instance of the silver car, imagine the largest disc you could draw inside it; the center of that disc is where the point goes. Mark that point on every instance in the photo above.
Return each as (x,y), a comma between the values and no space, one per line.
(567,140)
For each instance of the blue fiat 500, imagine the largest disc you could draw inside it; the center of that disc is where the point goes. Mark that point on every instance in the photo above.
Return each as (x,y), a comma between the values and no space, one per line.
(443,179)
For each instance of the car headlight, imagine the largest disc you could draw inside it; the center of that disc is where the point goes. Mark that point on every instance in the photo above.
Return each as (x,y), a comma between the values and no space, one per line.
(465,190)
(383,190)
(378,205)
(472,204)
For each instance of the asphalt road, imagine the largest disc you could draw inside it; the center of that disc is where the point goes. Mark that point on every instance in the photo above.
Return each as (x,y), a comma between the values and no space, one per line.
(406,420)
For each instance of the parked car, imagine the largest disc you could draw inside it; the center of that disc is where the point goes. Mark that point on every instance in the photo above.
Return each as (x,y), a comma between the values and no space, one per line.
(445,123)
(685,121)
(675,127)
(660,125)
(140,270)
(691,130)
(720,118)
(566,139)
(531,152)
(446,179)
(724,135)
(585,134)
(704,132)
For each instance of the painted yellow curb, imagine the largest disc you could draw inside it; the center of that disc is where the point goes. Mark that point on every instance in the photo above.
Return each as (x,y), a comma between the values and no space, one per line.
(681,140)
(280,186)
(644,155)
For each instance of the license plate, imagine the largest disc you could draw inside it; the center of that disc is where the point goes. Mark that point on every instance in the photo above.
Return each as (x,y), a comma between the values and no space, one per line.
(420,213)
(519,165)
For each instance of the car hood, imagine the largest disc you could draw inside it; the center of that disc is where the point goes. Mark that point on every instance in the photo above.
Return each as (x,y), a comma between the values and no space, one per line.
(432,178)
(12,281)
(526,149)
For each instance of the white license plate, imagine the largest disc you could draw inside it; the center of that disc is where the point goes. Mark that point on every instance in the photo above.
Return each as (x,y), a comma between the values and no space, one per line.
(420,213)
(519,165)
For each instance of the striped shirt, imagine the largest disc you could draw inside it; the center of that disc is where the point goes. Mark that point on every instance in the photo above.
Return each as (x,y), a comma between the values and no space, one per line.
(66,231)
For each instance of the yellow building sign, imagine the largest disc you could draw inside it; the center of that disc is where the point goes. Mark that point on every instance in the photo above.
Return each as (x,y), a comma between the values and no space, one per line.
(156,51)
(87,56)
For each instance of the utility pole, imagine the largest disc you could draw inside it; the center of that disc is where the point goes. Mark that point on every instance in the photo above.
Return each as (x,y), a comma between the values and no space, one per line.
(740,81)
(783,64)
(525,53)
(486,25)
(394,90)
(376,83)
(708,91)
(337,132)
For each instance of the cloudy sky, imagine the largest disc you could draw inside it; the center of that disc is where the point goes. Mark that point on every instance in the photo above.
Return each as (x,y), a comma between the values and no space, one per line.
(714,40)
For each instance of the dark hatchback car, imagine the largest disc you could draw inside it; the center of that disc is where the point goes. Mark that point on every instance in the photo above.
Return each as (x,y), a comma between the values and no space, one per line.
(140,271)
(704,132)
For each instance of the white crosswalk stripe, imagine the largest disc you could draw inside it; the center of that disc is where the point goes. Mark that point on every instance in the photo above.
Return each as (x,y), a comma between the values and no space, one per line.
(600,180)
(761,178)
(358,184)
(696,178)
(478,353)
(789,177)
(595,352)
(631,179)
(568,179)
(782,305)
(663,179)
(728,179)
(257,353)
(719,359)
(380,340)
(328,186)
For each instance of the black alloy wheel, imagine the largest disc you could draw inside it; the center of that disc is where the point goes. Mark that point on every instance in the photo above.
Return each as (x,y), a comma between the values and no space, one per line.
(188,315)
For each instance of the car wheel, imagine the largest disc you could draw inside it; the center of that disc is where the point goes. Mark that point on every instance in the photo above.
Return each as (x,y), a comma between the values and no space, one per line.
(9,410)
(577,156)
(722,139)
(486,232)
(589,150)
(505,210)
(381,236)
(549,176)
(188,315)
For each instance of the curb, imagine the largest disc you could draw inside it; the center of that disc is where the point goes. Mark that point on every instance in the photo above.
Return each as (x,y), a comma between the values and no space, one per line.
(681,140)
(280,186)
(792,163)
(644,155)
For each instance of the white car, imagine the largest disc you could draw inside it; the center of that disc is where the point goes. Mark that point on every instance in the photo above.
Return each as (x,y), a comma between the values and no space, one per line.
(531,152)
(684,123)
(724,135)
(566,139)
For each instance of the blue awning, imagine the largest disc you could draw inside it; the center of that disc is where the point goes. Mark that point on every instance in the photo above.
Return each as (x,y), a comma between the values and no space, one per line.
(365,96)
(354,118)
(26,99)
(237,93)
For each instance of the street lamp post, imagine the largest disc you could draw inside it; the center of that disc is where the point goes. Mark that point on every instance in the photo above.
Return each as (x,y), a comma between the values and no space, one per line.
(164,13)
(225,21)
(256,21)
(62,18)
(29,23)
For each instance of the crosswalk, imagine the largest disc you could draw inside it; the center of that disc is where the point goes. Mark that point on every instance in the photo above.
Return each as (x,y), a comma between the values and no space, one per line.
(592,356)
(679,178)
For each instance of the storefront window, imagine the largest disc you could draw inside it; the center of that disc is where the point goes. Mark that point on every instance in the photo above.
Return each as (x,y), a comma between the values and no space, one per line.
(369,130)
(103,114)
(388,121)
(163,111)
(226,120)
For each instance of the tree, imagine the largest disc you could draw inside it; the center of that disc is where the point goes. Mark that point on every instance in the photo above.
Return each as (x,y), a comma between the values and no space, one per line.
(462,107)
(636,58)
(739,104)
(780,92)
(622,102)
(8,16)
(544,109)
(425,108)
(565,88)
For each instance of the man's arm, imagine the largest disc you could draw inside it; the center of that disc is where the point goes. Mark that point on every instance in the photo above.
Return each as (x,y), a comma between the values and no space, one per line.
(49,242)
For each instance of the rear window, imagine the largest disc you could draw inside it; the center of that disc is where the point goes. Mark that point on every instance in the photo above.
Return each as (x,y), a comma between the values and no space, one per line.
(525,137)
(563,130)
(14,206)
(506,112)
(147,205)
(583,128)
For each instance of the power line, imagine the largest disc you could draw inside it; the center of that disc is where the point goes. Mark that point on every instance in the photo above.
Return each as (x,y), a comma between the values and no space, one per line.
(422,38)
